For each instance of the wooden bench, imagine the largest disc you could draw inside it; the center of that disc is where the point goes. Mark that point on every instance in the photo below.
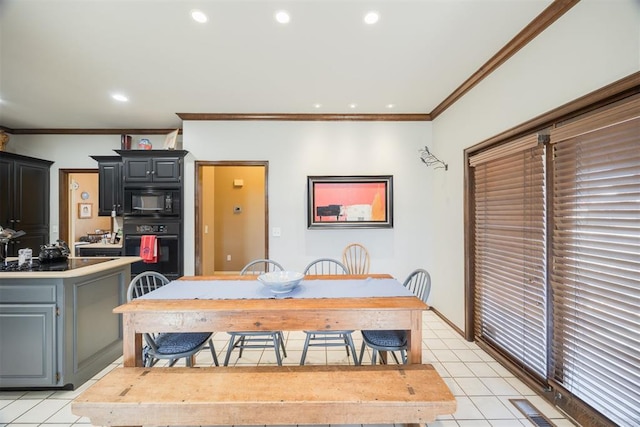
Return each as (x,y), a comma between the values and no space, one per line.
(339,394)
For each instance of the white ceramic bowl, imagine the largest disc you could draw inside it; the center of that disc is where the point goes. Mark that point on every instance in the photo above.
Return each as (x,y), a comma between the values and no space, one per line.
(281,282)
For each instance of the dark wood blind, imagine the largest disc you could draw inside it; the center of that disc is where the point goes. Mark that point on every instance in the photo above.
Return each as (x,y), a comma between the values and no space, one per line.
(509,250)
(595,261)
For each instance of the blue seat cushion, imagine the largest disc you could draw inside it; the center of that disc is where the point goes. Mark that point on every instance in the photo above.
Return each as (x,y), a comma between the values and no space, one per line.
(175,343)
(386,338)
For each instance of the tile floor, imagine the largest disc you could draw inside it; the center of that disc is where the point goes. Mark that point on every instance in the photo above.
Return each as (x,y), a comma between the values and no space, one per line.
(481,385)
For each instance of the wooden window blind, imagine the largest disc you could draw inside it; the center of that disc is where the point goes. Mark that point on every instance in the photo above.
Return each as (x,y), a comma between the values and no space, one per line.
(595,261)
(510,253)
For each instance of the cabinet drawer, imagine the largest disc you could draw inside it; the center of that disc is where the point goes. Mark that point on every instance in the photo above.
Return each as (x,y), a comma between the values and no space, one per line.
(25,293)
(105,252)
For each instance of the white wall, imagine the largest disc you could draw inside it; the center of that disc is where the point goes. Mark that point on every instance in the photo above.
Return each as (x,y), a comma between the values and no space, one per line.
(298,149)
(594,44)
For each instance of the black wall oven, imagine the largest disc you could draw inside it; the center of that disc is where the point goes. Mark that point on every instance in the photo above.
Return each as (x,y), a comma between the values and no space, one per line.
(169,243)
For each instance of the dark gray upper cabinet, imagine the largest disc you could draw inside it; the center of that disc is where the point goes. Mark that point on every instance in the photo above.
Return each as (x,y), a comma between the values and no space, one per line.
(143,167)
(109,185)
(24,199)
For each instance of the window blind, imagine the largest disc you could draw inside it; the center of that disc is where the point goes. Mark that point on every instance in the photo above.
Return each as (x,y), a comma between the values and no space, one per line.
(595,262)
(510,251)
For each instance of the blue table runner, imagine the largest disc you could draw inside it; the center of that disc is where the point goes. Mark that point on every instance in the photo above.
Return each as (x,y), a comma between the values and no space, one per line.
(253,289)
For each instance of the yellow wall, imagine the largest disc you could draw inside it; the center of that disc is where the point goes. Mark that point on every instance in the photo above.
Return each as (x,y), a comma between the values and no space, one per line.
(240,235)
(86,182)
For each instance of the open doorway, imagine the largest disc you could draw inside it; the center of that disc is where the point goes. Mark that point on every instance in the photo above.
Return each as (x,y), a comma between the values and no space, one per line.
(78,188)
(231,209)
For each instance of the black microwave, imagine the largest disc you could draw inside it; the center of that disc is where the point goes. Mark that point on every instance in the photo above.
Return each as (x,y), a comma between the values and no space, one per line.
(151,202)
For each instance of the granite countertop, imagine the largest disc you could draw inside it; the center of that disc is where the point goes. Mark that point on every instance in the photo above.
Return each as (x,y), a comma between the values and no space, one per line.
(113,262)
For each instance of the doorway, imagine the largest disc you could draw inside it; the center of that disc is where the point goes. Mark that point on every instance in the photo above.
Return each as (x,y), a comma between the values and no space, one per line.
(231,210)
(76,188)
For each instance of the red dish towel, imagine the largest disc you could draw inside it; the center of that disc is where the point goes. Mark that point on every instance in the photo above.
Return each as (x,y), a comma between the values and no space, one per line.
(149,249)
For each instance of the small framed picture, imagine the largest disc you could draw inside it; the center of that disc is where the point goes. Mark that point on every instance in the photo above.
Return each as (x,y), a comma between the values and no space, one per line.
(85,210)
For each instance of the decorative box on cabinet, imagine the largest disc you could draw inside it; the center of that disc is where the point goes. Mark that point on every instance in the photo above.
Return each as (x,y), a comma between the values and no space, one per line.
(144,167)
(109,185)
(24,200)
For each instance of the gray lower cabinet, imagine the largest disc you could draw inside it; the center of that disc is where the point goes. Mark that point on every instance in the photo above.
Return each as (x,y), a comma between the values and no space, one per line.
(31,362)
(59,332)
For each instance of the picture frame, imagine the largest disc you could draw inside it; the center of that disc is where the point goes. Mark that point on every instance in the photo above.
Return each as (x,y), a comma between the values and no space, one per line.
(85,210)
(362,201)
(170,140)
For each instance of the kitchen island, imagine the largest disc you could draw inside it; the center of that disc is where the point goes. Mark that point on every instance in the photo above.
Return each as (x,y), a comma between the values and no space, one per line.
(57,328)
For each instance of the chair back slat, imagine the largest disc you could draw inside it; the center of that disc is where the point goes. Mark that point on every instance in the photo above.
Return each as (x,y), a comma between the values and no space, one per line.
(259,266)
(419,283)
(144,283)
(356,258)
(326,266)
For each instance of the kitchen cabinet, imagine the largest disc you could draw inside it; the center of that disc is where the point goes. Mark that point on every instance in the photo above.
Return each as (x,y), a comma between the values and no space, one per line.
(110,195)
(24,200)
(145,167)
(57,328)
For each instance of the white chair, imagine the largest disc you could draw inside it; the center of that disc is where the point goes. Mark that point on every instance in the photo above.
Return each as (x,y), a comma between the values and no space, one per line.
(356,258)
(174,345)
(418,282)
(257,339)
(328,266)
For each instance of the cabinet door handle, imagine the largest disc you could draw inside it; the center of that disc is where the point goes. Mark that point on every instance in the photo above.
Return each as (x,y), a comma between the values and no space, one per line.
(148,172)
(17,220)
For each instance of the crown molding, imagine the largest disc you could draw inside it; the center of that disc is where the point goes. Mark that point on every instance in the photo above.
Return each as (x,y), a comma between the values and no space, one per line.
(408,117)
(67,131)
(551,14)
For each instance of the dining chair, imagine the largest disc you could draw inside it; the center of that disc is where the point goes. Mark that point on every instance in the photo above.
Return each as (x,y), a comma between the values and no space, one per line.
(328,266)
(322,266)
(419,283)
(259,266)
(356,257)
(172,346)
(257,339)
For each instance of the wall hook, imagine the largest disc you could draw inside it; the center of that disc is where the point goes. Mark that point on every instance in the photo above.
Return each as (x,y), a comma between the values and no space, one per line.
(431,160)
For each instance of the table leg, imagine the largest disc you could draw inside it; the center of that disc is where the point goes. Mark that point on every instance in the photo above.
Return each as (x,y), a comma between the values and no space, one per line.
(414,339)
(131,344)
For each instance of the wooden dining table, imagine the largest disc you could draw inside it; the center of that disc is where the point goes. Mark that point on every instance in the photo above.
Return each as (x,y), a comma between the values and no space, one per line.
(265,314)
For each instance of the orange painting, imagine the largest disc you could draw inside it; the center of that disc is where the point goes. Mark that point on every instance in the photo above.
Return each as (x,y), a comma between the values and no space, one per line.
(363,201)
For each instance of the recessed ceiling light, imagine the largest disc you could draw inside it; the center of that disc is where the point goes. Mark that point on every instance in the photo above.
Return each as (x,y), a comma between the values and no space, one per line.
(317,105)
(353,106)
(390,106)
(282,16)
(119,97)
(199,16)
(371,18)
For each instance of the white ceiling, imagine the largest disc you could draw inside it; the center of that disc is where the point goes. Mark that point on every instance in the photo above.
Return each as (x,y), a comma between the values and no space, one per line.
(60,60)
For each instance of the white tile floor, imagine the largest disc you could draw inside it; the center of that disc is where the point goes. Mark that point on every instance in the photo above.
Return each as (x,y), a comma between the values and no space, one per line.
(481,385)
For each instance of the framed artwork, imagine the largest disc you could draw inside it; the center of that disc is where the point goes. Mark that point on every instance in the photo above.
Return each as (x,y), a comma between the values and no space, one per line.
(350,201)
(85,210)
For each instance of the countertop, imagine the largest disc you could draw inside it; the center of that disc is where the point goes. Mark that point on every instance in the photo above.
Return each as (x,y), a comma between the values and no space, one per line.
(114,262)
